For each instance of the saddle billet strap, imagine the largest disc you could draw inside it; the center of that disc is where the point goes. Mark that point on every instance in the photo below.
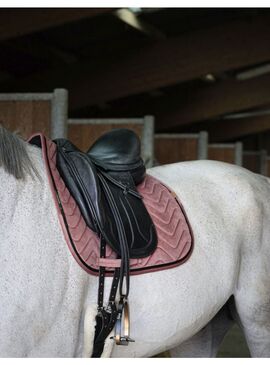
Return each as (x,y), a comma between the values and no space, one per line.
(101,274)
(115,281)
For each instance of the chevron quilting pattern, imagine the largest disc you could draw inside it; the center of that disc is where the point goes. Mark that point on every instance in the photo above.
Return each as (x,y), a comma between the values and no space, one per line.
(175,240)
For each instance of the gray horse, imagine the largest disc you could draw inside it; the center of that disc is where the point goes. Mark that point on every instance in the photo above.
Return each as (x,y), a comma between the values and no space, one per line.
(47,301)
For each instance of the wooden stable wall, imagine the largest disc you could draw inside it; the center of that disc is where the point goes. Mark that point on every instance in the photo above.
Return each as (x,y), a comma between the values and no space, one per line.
(255,161)
(226,152)
(35,112)
(84,132)
(170,148)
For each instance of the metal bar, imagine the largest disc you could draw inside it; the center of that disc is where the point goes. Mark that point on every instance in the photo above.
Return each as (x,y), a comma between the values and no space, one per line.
(177,135)
(203,146)
(26,97)
(107,121)
(148,140)
(239,153)
(263,162)
(59,113)
(222,145)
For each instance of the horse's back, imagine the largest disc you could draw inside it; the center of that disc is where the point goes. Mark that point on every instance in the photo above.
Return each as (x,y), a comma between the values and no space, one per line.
(213,179)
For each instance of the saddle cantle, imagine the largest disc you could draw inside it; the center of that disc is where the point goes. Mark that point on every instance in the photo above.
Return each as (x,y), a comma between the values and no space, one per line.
(88,247)
(119,152)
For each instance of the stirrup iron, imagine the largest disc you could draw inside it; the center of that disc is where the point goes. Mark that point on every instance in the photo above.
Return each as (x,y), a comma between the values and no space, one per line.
(123,321)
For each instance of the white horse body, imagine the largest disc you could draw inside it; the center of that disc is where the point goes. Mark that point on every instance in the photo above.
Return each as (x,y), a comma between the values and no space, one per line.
(43,291)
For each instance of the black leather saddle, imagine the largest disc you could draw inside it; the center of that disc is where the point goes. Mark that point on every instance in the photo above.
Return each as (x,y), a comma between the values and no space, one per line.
(103,183)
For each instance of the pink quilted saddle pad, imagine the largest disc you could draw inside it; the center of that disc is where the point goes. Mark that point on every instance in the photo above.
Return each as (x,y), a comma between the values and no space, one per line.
(175,239)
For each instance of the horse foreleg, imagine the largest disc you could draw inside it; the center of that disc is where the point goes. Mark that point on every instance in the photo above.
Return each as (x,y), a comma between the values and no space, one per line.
(206,342)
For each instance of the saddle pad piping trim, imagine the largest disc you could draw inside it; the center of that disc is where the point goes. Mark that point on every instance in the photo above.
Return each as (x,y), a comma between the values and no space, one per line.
(110,263)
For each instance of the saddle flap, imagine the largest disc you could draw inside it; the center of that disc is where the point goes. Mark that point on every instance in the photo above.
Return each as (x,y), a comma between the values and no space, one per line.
(80,176)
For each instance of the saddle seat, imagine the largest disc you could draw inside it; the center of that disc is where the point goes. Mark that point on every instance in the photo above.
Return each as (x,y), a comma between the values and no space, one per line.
(103,183)
(119,151)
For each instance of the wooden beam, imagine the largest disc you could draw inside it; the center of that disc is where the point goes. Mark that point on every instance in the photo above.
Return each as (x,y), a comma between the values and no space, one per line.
(21,21)
(253,72)
(175,60)
(55,56)
(230,129)
(189,106)
(214,100)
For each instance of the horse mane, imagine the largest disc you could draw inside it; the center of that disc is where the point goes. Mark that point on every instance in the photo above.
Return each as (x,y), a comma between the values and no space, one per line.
(14,157)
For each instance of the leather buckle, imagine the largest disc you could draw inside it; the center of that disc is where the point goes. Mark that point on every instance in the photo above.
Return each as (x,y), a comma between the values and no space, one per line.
(123,322)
